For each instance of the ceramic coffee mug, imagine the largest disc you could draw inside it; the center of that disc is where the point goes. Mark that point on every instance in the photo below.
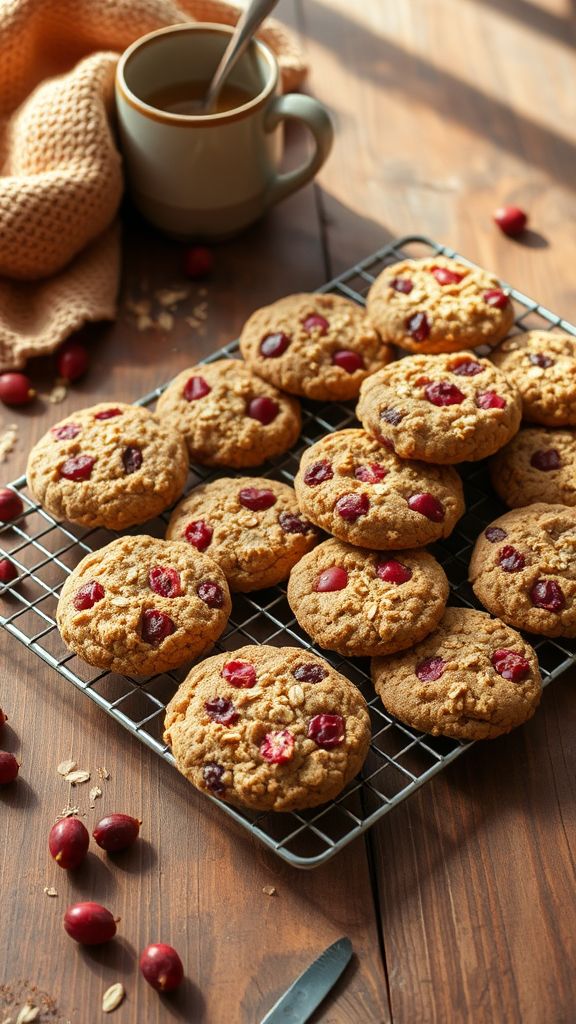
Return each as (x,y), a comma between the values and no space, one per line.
(209,175)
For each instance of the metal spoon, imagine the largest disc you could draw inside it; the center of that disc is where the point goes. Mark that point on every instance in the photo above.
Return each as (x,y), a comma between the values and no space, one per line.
(246,27)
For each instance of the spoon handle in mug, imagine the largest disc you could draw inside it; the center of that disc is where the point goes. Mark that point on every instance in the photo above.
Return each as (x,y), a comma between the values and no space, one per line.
(248,23)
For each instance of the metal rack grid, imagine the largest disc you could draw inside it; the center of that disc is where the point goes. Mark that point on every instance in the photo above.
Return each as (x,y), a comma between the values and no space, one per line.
(400,759)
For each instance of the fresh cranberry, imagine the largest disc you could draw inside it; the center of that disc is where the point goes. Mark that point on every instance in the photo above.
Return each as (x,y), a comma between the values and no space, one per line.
(77,468)
(511,220)
(310,673)
(211,593)
(132,459)
(277,747)
(162,967)
(264,409)
(511,560)
(327,731)
(292,523)
(221,710)
(392,416)
(490,400)
(68,842)
(496,298)
(331,579)
(546,459)
(9,768)
(8,571)
(418,327)
(240,673)
(373,473)
(156,626)
(212,774)
(165,581)
(89,923)
(548,595)
(88,595)
(427,505)
(317,473)
(16,389)
(195,388)
(494,533)
(66,432)
(116,832)
(510,665)
(4,717)
(393,571)
(107,414)
(199,534)
(445,276)
(256,499)
(539,359)
(348,360)
(443,393)
(430,669)
(198,262)
(72,360)
(467,368)
(351,506)
(402,284)
(315,322)
(274,345)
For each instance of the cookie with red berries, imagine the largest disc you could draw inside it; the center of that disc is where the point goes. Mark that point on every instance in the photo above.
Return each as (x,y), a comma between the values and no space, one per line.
(542,366)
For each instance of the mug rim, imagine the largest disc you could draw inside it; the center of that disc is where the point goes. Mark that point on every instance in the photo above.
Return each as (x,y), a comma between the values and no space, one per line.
(197,120)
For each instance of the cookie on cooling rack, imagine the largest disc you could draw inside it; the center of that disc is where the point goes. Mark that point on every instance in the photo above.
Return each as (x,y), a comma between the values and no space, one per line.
(439,305)
(142,605)
(268,728)
(354,488)
(251,526)
(229,416)
(361,603)
(472,679)
(319,345)
(542,366)
(523,569)
(111,465)
(537,465)
(440,408)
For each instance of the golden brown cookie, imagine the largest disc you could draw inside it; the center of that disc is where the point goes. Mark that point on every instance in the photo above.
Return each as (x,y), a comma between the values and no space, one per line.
(473,679)
(523,569)
(354,488)
(251,526)
(542,365)
(319,346)
(439,305)
(111,465)
(268,728)
(443,409)
(229,416)
(536,465)
(360,603)
(142,605)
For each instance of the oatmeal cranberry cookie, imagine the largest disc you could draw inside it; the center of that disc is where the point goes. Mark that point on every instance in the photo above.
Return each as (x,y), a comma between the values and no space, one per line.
(439,305)
(111,465)
(360,603)
(536,465)
(442,409)
(268,728)
(542,365)
(523,569)
(318,346)
(472,679)
(141,606)
(352,487)
(228,415)
(251,526)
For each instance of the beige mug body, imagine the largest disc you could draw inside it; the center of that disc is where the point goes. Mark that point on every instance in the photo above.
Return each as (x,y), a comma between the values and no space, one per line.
(209,175)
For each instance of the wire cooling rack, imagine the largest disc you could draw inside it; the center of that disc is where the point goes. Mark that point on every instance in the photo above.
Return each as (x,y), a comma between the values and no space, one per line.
(400,759)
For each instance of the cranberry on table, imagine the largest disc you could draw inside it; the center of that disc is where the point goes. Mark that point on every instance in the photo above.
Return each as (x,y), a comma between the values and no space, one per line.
(8,571)
(162,967)
(116,832)
(72,360)
(198,262)
(68,842)
(3,717)
(11,505)
(89,923)
(331,579)
(16,389)
(9,768)
(511,220)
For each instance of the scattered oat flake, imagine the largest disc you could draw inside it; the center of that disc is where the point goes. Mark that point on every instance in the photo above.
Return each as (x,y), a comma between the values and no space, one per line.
(165,321)
(58,393)
(66,766)
(144,322)
(192,321)
(27,1014)
(269,890)
(112,997)
(76,778)
(95,793)
(138,306)
(8,440)
(171,296)
(103,773)
(50,890)
(68,812)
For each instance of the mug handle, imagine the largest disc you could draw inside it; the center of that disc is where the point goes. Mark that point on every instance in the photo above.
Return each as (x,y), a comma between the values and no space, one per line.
(297,107)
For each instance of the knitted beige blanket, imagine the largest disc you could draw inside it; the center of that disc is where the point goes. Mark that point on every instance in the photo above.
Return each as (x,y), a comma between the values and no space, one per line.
(60,171)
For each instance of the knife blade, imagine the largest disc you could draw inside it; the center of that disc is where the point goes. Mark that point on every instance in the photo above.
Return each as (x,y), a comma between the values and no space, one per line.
(311,987)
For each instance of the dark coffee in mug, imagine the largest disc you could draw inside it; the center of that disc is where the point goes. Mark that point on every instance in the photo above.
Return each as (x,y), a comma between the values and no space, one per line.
(188,98)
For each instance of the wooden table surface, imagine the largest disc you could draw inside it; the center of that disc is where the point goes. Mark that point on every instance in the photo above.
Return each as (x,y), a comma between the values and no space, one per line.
(459,903)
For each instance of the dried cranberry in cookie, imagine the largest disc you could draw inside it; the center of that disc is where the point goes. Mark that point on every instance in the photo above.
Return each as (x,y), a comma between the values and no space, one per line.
(293,740)
(438,305)
(530,580)
(537,465)
(542,366)
(320,346)
(440,409)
